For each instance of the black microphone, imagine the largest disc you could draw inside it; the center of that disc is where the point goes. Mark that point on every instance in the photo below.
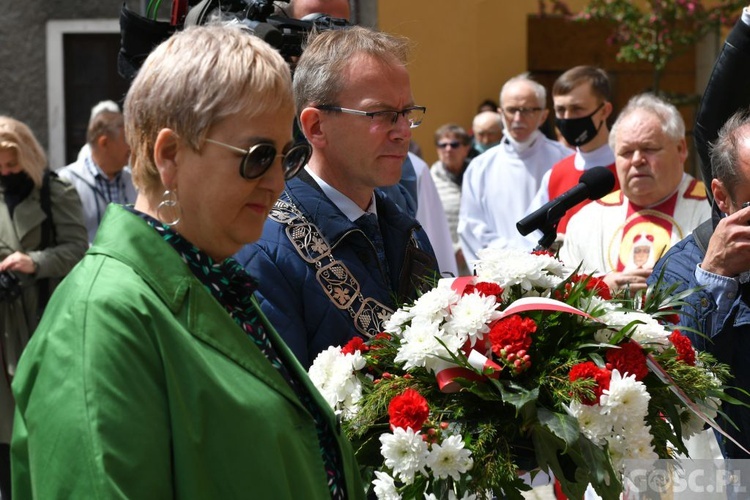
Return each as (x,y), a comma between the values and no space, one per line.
(592,185)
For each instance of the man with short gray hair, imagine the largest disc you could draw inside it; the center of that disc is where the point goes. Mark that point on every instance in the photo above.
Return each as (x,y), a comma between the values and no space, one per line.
(499,184)
(100,174)
(487,128)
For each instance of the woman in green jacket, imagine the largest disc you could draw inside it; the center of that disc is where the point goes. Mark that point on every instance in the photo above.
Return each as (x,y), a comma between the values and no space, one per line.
(153,373)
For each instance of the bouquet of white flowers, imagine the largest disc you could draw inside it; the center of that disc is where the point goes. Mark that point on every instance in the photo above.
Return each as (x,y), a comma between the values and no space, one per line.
(525,365)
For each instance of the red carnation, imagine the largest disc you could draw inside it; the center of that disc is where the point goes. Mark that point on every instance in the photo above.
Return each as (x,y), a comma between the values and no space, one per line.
(629,358)
(588,369)
(673,317)
(354,345)
(485,289)
(511,334)
(684,347)
(408,409)
(600,286)
(379,341)
(593,283)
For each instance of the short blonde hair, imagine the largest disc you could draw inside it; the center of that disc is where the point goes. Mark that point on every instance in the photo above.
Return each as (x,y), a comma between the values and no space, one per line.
(18,136)
(193,80)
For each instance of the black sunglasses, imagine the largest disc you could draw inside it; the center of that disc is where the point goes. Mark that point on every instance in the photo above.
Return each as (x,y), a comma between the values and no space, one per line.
(258,159)
(452,144)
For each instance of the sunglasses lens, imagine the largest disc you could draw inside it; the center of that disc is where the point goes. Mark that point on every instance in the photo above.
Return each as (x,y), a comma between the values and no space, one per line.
(258,160)
(295,159)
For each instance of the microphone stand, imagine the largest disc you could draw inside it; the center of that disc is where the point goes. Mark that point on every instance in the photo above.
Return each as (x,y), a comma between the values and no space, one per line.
(547,239)
(549,228)
(549,235)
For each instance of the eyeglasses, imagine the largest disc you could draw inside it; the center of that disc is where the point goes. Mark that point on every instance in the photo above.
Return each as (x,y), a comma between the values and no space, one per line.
(259,158)
(413,114)
(452,144)
(525,112)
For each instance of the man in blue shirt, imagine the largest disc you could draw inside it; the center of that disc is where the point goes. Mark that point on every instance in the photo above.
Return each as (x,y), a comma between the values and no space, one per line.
(100,174)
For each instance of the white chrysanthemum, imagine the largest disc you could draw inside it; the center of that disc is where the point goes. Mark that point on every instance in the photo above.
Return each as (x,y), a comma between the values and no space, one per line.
(619,420)
(420,345)
(617,450)
(470,317)
(692,426)
(626,400)
(591,422)
(405,453)
(509,267)
(450,458)
(434,305)
(384,487)
(604,335)
(694,423)
(649,333)
(594,303)
(639,439)
(652,334)
(334,374)
(397,321)
(643,450)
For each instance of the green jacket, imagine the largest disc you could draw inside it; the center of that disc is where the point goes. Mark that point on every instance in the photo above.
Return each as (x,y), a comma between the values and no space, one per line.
(139,385)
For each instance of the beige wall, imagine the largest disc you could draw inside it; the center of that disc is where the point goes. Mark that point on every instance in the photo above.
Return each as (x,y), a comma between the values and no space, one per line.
(463,52)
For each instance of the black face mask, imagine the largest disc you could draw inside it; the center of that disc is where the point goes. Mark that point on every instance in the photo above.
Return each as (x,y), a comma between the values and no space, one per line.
(579,131)
(19,184)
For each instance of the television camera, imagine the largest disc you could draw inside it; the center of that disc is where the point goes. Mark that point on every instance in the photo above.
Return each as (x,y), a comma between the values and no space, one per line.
(139,34)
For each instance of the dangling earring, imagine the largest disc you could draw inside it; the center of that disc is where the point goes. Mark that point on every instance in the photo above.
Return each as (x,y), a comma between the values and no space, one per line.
(171,205)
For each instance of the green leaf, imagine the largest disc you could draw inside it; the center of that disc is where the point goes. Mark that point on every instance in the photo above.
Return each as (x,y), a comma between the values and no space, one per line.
(601,474)
(548,453)
(561,425)
(519,399)
(484,391)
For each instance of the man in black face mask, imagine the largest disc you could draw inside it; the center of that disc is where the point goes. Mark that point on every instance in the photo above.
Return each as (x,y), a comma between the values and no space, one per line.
(582,105)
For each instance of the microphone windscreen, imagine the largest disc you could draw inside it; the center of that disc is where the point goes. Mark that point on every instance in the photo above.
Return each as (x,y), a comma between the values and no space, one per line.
(599,180)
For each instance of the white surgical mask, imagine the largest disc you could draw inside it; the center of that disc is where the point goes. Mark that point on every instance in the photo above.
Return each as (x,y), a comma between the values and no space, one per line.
(520,147)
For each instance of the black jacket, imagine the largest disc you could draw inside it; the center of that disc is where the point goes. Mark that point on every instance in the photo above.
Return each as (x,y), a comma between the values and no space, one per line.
(728,91)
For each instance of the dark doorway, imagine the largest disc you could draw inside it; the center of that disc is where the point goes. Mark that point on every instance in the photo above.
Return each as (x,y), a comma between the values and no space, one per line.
(90,69)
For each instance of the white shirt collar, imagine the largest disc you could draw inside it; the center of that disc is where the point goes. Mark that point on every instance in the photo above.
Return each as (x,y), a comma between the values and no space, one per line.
(600,157)
(342,202)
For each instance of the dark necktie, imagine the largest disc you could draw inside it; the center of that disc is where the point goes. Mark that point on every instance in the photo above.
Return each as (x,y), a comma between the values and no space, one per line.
(369,224)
